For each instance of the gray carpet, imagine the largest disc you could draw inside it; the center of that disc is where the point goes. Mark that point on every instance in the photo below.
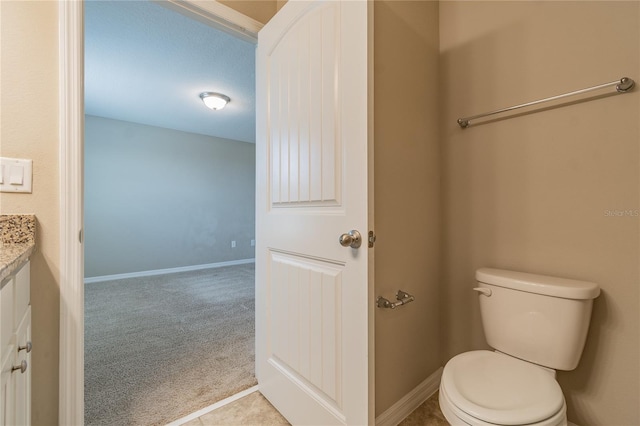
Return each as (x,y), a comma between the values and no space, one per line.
(159,348)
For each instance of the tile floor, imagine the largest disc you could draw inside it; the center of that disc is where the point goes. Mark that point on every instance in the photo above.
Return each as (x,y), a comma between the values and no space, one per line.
(254,409)
(428,414)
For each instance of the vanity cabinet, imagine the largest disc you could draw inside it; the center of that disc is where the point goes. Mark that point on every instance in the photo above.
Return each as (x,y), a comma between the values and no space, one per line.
(15,348)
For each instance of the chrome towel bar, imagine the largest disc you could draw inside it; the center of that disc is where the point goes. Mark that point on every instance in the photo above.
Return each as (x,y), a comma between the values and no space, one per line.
(625,84)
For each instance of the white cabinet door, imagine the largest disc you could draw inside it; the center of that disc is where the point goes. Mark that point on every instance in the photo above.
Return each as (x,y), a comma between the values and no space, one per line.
(314,299)
(15,332)
(22,387)
(7,384)
(7,353)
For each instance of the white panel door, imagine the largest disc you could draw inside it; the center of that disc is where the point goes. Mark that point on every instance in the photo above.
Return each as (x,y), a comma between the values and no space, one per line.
(314,301)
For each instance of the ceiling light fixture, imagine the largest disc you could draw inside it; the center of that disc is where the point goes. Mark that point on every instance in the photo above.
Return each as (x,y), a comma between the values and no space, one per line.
(214,101)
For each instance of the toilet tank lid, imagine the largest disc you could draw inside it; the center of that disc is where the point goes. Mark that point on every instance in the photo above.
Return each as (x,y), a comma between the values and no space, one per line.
(539,284)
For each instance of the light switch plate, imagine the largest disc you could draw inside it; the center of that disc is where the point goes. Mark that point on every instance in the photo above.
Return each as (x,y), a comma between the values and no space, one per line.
(16,170)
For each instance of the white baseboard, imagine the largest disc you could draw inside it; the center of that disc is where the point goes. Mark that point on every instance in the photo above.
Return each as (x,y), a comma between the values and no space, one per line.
(408,403)
(166,271)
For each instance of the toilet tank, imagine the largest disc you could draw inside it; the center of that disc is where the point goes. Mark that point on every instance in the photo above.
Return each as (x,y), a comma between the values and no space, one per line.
(537,318)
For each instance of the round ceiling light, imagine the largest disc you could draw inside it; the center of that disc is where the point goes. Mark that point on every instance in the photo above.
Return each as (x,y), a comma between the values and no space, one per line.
(214,101)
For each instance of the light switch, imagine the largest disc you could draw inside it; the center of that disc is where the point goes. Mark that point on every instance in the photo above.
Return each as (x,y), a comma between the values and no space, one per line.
(16,175)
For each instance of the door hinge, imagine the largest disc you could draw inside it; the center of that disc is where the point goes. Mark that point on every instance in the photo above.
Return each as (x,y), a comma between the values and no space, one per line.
(371,239)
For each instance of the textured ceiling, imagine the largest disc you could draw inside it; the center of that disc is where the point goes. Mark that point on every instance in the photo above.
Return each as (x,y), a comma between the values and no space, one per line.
(148,64)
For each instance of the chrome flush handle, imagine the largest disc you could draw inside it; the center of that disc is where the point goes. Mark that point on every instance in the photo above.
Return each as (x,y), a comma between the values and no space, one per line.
(482,290)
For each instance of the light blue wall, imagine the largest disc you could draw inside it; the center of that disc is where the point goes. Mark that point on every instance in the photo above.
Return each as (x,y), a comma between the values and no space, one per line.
(157,198)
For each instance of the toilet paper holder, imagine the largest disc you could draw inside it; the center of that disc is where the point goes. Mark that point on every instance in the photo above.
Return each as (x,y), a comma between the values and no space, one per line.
(402,296)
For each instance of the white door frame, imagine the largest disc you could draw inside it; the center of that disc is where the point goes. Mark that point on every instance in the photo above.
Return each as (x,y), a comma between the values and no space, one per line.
(71,158)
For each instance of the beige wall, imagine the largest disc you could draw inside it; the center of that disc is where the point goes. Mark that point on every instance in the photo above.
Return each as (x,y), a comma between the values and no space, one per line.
(29,129)
(260,10)
(530,193)
(406,194)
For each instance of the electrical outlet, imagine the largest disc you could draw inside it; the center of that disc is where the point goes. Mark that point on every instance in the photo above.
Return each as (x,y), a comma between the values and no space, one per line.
(233,244)
(253,243)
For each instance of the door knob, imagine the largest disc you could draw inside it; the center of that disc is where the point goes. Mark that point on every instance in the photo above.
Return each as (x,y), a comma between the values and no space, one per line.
(351,239)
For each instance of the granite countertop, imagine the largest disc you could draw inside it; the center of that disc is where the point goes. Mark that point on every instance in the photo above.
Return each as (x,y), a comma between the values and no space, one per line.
(17,242)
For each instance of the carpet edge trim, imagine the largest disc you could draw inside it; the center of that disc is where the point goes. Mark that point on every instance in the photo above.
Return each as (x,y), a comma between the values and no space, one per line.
(213,407)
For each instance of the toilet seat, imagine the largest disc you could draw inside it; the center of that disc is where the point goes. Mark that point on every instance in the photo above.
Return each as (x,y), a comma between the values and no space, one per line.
(457,417)
(484,387)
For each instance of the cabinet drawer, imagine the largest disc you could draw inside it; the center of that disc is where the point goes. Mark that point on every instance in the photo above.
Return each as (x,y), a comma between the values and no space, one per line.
(6,315)
(22,292)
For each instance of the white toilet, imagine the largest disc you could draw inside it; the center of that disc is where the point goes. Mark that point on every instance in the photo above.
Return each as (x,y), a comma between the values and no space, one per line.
(537,324)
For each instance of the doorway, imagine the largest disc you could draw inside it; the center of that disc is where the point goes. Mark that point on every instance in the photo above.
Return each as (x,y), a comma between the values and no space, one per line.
(71,291)
(169,214)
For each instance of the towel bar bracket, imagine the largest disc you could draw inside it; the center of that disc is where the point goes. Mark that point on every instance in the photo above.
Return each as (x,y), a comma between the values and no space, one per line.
(625,85)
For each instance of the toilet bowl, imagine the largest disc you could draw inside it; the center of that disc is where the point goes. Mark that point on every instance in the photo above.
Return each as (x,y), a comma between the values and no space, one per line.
(537,324)
(489,388)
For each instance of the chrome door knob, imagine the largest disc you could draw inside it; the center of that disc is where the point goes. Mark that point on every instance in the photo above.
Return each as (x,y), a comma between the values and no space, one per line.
(26,347)
(351,239)
(22,367)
